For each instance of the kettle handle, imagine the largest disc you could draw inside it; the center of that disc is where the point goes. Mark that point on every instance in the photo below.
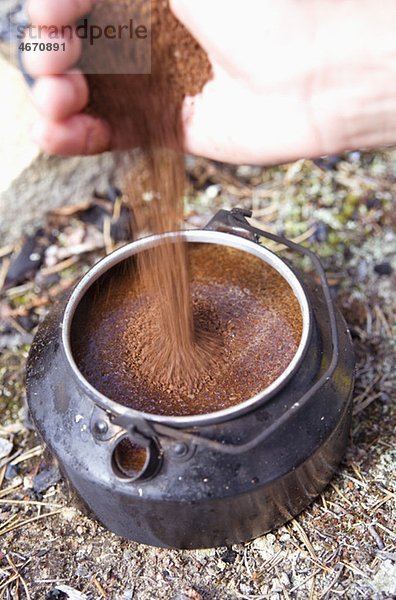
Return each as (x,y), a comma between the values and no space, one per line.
(235,222)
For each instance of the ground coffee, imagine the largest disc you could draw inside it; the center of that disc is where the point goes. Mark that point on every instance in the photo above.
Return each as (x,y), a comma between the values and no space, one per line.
(237,299)
(145,110)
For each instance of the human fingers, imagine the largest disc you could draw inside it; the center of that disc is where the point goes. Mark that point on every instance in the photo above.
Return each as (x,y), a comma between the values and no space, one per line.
(60,96)
(78,135)
(231,122)
(53,12)
(45,54)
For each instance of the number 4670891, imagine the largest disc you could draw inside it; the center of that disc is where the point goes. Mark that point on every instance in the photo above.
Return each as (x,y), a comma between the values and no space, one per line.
(42,47)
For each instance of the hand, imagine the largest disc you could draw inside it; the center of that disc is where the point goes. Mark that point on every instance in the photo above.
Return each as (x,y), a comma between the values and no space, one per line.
(292,78)
(60,92)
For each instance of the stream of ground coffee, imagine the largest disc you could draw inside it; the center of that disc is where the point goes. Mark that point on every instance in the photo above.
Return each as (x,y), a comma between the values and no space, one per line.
(145,111)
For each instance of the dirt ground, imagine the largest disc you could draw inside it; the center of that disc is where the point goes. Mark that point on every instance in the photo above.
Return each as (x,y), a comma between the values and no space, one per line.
(344,544)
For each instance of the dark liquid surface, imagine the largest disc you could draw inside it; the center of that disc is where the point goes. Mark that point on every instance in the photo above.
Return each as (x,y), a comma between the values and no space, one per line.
(237,299)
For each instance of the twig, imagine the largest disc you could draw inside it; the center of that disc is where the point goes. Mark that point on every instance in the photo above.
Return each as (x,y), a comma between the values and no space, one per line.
(256,223)
(9,520)
(366,403)
(388,531)
(29,503)
(23,523)
(359,482)
(245,560)
(10,580)
(108,242)
(36,581)
(78,249)
(376,537)
(9,490)
(322,497)
(363,395)
(50,295)
(8,459)
(296,587)
(31,453)
(333,582)
(117,208)
(337,489)
(2,474)
(312,590)
(382,500)
(3,271)
(60,266)
(20,290)
(308,544)
(297,240)
(5,250)
(354,569)
(284,590)
(99,587)
(384,321)
(307,555)
(21,579)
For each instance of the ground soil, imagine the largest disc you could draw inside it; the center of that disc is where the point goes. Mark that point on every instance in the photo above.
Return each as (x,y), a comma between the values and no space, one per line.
(344,544)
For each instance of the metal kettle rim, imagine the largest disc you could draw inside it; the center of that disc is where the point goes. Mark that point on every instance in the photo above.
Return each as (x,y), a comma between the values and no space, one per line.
(198,236)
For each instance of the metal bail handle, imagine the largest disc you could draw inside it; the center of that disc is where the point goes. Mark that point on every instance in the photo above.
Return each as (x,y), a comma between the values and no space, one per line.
(232,221)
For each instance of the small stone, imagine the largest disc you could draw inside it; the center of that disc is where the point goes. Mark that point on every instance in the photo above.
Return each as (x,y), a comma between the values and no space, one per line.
(229,556)
(373,202)
(56,595)
(385,578)
(322,232)
(212,191)
(28,482)
(248,171)
(276,586)
(205,553)
(70,592)
(354,156)
(10,472)
(69,513)
(328,163)
(82,571)
(245,588)
(384,268)
(265,545)
(284,578)
(362,270)
(5,447)
(48,476)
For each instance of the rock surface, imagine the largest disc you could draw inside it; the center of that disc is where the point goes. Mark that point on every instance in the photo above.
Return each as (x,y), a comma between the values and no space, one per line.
(30,182)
